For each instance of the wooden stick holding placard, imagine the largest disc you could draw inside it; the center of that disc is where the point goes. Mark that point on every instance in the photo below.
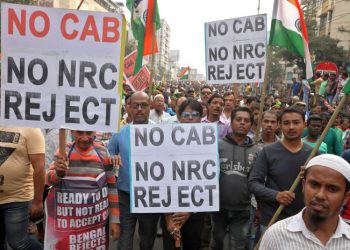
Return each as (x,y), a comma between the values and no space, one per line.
(263,93)
(312,154)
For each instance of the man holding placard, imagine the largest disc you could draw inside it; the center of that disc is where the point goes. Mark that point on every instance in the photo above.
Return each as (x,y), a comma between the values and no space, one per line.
(120,144)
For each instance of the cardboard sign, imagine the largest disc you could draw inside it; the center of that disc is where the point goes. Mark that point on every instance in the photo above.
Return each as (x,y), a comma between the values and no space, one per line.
(61,68)
(141,80)
(129,63)
(77,214)
(184,174)
(236,50)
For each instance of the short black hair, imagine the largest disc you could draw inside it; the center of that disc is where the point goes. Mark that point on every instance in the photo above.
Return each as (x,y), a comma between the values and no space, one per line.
(292,109)
(228,93)
(313,118)
(344,118)
(193,104)
(207,87)
(215,95)
(272,112)
(242,109)
(250,99)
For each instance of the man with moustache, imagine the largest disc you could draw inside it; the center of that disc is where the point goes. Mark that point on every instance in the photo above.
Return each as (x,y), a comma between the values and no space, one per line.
(237,154)
(215,106)
(318,226)
(229,101)
(120,144)
(269,126)
(277,167)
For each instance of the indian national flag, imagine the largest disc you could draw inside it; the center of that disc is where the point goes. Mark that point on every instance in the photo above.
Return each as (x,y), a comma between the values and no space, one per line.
(144,14)
(288,30)
(185,74)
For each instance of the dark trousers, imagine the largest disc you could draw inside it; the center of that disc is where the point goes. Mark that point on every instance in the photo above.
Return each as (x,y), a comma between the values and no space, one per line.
(190,233)
(147,225)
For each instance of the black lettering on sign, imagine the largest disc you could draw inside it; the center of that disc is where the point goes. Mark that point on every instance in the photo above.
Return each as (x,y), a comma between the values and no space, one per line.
(179,171)
(152,195)
(69,75)
(32,105)
(152,138)
(70,109)
(103,69)
(46,116)
(87,71)
(12,67)
(205,169)
(140,136)
(108,102)
(140,194)
(173,135)
(168,201)
(208,135)
(210,188)
(94,119)
(193,196)
(259,23)
(32,64)
(182,196)
(13,100)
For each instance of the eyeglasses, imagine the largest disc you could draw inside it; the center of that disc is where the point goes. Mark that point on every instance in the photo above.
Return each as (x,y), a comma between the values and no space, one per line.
(139,105)
(206,93)
(194,114)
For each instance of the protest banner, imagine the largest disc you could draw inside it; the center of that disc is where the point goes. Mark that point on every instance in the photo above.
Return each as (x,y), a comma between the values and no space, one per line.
(174,168)
(129,63)
(141,80)
(236,50)
(77,212)
(61,68)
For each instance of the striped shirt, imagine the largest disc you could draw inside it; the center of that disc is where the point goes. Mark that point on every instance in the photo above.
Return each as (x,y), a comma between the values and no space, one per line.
(91,163)
(292,233)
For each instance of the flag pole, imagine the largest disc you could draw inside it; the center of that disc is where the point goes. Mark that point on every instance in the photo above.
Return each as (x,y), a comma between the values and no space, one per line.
(152,60)
(263,93)
(312,154)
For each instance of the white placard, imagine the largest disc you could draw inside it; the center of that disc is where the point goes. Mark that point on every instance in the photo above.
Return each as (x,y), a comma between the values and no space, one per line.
(174,168)
(236,50)
(61,68)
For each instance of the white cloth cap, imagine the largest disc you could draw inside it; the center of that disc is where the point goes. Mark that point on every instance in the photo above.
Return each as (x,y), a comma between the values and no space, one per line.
(331,161)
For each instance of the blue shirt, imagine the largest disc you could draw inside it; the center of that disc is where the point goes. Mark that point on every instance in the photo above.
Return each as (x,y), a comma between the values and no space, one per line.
(120,144)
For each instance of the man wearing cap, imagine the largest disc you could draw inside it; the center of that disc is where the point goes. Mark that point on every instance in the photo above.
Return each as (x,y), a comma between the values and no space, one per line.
(157,114)
(318,226)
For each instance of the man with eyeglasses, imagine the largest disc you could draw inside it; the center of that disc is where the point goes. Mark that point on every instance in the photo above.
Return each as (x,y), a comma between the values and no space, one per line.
(120,144)
(206,93)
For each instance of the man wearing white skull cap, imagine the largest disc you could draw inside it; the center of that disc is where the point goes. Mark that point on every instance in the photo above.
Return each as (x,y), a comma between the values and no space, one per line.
(318,226)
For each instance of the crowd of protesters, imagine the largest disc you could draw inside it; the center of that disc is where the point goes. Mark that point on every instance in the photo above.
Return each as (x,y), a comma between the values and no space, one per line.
(256,172)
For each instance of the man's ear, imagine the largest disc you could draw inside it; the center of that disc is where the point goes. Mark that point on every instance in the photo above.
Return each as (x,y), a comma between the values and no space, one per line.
(346,197)
(303,184)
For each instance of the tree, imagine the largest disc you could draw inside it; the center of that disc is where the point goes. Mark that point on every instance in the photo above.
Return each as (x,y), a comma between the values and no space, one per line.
(276,70)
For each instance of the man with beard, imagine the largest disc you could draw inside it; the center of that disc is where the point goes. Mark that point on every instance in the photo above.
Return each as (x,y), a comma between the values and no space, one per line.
(277,167)
(318,226)
(237,154)
(157,114)
(215,106)
(120,144)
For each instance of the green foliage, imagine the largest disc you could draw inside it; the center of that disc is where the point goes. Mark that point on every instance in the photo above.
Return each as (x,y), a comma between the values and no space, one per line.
(130,46)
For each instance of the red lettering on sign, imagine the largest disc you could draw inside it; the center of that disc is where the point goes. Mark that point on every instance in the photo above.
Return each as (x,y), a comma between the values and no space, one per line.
(46,20)
(90,29)
(110,25)
(66,17)
(13,19)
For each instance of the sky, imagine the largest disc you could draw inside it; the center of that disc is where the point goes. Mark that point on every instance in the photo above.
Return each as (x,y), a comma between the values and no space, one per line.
(186,19)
